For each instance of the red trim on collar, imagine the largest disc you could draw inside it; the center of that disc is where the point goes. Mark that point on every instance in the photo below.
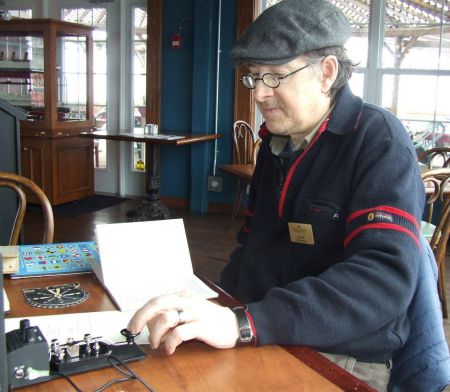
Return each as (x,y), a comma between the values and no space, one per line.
(291,172)
(263,131)
(248,213)
(246,229)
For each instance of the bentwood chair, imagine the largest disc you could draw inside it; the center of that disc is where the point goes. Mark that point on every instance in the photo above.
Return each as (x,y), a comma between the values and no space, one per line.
(245,147)
(435,157)
(243,141)
(437,185)
(21,184)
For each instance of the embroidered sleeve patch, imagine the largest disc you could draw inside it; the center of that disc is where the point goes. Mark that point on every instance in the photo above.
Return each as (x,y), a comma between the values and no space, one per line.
(382,218)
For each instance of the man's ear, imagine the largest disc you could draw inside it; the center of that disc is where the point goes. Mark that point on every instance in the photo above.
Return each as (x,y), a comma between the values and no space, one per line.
(330,66)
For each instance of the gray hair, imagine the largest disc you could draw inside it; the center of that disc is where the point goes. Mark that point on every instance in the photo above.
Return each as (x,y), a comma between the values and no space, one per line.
(346,66)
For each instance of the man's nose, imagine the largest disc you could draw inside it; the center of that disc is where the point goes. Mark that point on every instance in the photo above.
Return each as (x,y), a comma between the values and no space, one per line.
(262,92)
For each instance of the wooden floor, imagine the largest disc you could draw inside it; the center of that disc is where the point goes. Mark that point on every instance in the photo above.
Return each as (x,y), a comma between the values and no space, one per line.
(211,237)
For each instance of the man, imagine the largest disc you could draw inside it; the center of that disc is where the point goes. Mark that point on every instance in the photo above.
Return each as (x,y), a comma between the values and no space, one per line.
(330,247)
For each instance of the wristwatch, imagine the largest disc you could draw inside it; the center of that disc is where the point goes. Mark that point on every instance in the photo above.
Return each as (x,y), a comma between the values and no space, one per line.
(246,335)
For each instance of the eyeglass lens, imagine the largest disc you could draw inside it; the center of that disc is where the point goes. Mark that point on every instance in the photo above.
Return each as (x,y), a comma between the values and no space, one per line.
(270,80)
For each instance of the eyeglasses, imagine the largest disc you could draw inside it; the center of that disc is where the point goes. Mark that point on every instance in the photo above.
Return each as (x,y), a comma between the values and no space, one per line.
(269,79)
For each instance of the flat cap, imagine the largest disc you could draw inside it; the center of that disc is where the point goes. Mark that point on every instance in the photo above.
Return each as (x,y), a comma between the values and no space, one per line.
(290,28)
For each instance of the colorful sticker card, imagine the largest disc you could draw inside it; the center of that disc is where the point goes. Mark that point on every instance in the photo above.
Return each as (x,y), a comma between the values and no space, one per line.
(62,258)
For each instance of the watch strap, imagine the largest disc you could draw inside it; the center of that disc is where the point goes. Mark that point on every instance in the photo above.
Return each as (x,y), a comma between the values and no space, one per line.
(246,335)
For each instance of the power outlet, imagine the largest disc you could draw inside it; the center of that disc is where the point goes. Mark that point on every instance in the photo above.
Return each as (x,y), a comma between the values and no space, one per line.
(214,184)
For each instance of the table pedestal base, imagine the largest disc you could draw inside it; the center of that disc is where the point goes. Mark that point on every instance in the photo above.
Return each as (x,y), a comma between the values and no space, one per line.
(149,210)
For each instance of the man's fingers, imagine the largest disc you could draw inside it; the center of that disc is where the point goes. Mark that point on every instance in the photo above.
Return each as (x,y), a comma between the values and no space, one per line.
(159,326)
(156,306)
(180,334)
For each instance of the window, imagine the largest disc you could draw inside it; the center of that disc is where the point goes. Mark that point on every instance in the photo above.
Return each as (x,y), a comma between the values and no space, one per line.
(409,69)
(24,14)
(138,82)
(96,17)
(416,69)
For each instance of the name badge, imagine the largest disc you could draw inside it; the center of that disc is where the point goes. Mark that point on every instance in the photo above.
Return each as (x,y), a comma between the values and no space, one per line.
(301,233)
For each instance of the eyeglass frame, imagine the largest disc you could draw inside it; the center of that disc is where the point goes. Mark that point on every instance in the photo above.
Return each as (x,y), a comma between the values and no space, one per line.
(278,78)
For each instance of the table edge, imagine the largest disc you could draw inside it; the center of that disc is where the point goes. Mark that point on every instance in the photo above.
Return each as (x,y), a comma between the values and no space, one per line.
(314,360)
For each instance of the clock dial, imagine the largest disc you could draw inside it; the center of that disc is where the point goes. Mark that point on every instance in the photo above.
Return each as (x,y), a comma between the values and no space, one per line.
(59,296)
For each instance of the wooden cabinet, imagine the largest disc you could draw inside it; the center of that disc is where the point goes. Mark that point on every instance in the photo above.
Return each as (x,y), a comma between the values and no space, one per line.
(46,69)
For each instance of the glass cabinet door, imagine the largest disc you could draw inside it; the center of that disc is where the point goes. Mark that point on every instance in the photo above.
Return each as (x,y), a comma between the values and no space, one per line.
(22,73)
(46,69)
(72,80)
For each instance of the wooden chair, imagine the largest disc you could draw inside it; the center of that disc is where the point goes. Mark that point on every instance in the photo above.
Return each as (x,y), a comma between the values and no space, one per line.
(435,157)
(243,141)
(245,149)
(18,183)
(437,184)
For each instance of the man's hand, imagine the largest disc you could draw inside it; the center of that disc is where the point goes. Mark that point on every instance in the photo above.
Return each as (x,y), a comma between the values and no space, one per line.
(175,318)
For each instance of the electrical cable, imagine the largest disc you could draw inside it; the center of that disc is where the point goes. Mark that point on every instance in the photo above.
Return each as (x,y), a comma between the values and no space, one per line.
(109,383)
(121,368)
(69,380)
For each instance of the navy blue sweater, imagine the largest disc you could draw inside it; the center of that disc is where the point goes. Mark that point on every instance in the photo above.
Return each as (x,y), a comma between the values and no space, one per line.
(358,189)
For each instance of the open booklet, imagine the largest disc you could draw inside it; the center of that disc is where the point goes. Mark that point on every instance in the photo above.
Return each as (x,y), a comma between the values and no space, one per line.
(6,306)
(142,260)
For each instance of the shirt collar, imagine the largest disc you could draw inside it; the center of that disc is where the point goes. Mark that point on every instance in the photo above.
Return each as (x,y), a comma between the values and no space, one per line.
(278,142)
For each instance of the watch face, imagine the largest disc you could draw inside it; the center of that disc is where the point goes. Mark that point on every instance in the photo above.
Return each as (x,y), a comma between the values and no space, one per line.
(60,296)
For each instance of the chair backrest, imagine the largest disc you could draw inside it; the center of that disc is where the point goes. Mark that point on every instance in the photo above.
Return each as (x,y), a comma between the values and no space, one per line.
(244,142)
(256,150)
(437,183)
(437,157)
(437,187)
(18,183)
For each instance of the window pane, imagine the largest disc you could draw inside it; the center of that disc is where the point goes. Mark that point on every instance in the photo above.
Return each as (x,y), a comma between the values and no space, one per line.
(24,14)
(138,81)
(99,94)
(72,77)
(74,52)
(428,118)
(100,116)
(100,55)
(140,58)
(139,90)
(140,24)
(413,35)
(96,17)
(357,83)
(400,95)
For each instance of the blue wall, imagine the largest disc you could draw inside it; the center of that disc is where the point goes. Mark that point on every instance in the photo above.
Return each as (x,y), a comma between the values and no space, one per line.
(188,98)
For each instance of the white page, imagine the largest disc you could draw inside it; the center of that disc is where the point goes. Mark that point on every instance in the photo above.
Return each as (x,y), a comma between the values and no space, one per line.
(6,306)
(141,260)
(127,298)
(106,325)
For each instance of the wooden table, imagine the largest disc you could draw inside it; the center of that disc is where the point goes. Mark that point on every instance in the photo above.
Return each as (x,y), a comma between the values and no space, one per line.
(194,366)
(152,207)
(243,173)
